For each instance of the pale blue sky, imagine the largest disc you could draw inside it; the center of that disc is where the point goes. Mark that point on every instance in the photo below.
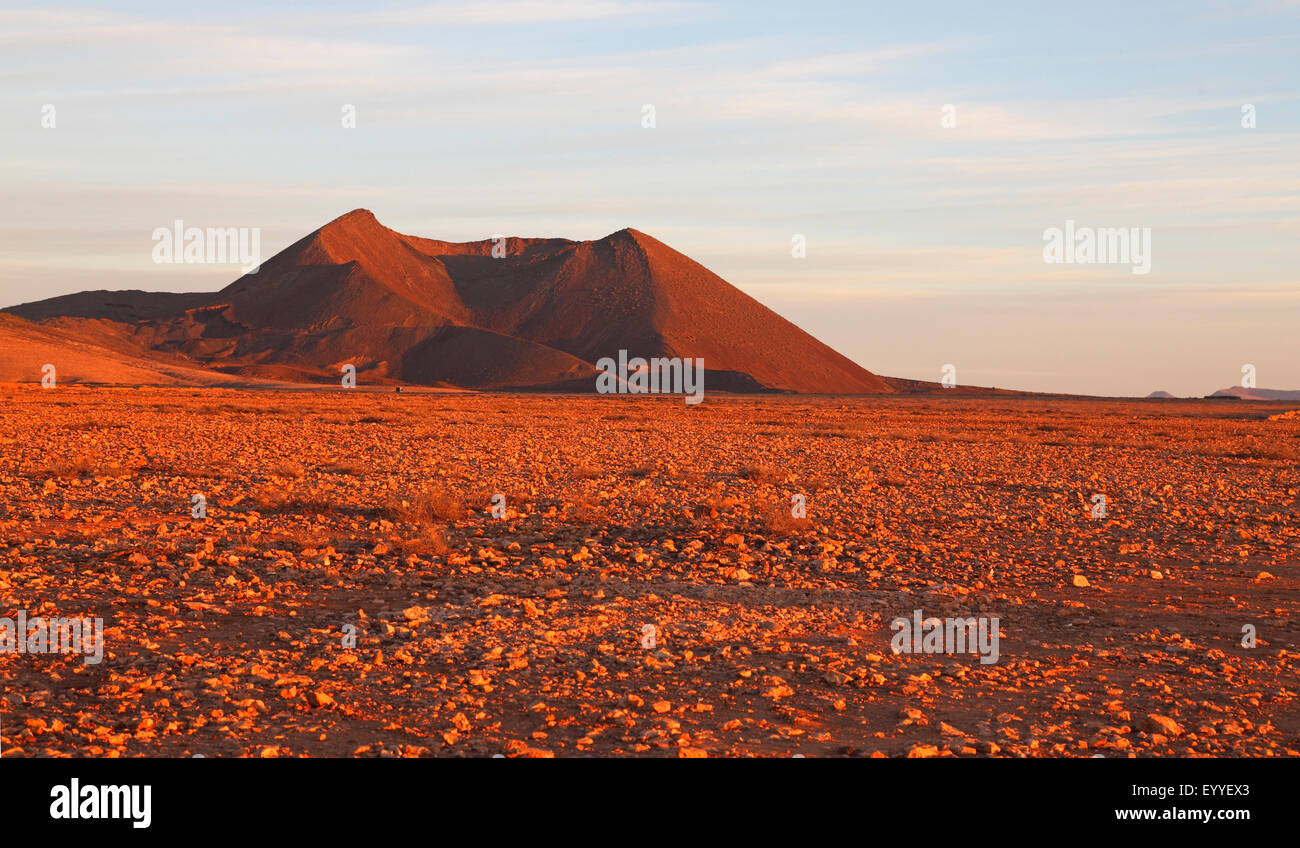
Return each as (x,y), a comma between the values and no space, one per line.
(822,119)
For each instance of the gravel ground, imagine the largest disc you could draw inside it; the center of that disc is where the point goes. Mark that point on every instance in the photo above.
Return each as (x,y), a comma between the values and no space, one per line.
(535,575)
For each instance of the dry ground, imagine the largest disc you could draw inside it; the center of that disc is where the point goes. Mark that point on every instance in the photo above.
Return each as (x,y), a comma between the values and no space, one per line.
(522,635)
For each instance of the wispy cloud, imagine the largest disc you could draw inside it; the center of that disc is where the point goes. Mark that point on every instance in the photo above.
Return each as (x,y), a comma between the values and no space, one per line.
(510,12)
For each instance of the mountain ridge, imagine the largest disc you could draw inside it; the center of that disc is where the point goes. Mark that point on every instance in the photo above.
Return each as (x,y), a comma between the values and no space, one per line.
(417,310)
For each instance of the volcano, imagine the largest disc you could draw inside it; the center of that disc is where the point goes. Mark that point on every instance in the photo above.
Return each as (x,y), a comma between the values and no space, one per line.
(511,313)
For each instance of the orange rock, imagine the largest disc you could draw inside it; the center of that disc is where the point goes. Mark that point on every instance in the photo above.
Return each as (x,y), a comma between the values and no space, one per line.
(1157,723)
(319,699)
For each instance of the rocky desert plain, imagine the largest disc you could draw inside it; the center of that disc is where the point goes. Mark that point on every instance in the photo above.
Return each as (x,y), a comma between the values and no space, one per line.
(352,592)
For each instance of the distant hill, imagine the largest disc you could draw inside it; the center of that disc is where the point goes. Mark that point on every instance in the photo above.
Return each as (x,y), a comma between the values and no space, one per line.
(1257,394)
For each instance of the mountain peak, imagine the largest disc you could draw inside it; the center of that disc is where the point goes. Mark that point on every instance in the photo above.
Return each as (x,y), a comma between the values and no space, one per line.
(349,237)
(634,235)
(356,216)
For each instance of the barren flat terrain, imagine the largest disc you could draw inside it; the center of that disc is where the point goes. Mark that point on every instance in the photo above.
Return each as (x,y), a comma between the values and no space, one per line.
(350,591)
